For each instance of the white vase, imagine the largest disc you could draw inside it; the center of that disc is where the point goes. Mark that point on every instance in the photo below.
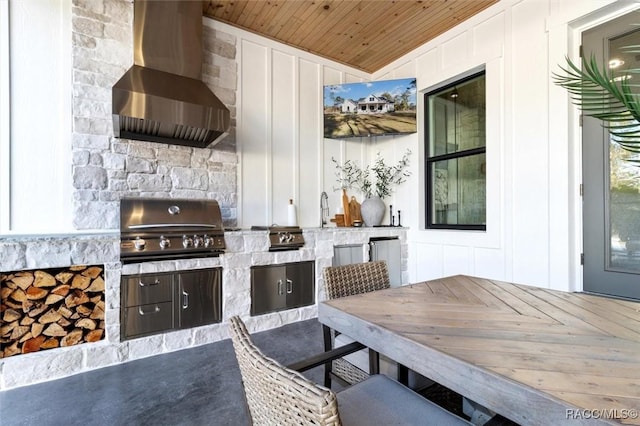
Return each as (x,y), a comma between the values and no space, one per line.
(372,211)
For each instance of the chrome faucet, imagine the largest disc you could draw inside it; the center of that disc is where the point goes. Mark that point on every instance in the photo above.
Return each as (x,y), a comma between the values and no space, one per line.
(324,209)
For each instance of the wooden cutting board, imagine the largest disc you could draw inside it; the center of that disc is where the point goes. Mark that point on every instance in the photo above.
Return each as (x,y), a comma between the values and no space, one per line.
(354,210)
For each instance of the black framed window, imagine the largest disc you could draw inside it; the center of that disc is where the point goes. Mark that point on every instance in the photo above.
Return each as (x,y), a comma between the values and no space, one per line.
(455,142)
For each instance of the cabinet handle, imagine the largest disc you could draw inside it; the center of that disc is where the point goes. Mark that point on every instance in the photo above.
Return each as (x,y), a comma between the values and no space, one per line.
(155,310)
(141,284)
(289,286)
(280,287)
(185,299)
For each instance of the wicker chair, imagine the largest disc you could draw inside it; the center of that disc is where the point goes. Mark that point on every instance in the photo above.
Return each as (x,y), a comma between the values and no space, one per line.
(277,395)
(347,280)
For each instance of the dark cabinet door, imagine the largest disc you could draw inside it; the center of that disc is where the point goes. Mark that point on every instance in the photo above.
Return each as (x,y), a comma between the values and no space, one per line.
(199,297)
(299,284)
(268,289)
(278,287)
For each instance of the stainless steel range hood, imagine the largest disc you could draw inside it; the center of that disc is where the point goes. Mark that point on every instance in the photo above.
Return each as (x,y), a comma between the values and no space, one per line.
(161,98)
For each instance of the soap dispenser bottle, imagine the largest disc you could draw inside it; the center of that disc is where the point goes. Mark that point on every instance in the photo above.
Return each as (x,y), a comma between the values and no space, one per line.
(292,215)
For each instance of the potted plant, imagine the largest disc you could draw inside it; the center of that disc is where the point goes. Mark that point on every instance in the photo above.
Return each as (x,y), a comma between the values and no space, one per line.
(606,95)
(374,182)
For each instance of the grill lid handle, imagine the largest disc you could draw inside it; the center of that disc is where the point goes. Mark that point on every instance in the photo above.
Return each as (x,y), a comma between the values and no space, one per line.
(172,225)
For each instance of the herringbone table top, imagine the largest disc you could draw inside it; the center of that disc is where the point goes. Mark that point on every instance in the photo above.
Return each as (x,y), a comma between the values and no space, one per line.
(534,355)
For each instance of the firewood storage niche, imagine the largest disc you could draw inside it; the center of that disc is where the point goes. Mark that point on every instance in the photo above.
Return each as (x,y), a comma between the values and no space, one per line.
(49,308)
(160,302)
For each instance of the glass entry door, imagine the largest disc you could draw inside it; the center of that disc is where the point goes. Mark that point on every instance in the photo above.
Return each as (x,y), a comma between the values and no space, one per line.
(611,203)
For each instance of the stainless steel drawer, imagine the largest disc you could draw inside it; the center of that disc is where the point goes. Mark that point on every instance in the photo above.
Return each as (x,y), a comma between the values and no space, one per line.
(147,288)
(147,319)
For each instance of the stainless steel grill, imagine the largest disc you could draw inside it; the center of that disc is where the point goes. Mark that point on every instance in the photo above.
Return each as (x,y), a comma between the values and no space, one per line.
(282,237)
(164,229)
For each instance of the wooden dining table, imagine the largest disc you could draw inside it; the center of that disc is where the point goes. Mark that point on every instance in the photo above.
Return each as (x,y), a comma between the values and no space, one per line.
(533,355)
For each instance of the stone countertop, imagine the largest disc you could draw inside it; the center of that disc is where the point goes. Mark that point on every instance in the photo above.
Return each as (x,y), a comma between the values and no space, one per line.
(356,228)
(19,252)
(252,241)
(52,250)
(328,229)
(106,235)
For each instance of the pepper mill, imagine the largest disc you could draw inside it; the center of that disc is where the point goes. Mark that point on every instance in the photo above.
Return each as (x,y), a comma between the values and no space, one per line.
(390,215)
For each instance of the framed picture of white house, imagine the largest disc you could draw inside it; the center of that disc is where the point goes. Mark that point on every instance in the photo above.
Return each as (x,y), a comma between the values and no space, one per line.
(373,108)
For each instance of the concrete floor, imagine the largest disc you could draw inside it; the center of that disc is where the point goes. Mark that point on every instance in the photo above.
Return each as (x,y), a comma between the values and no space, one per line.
(198,386)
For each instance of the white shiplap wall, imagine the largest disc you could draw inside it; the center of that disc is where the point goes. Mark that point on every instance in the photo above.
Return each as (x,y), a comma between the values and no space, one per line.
(282,152)
(533,143)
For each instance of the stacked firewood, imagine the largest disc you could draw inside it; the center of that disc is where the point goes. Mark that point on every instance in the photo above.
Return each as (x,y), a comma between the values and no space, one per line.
(46,309)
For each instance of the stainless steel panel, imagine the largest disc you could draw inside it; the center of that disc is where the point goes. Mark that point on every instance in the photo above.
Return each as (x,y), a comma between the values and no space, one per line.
(347,254)
(149,214)
(153,228)
(279,287)
(147,319)
(199,298)
(283,238)
(151,105)
(268,292)
(299,284)
(153,256)
(388,249)
(161,98)
(168,36)
(145,289)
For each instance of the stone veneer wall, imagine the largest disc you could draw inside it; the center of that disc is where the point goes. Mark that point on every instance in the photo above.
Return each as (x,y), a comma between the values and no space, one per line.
(244,249)
(105,169)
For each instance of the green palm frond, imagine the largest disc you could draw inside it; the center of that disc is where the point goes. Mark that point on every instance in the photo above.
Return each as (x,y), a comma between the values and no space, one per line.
(606,95)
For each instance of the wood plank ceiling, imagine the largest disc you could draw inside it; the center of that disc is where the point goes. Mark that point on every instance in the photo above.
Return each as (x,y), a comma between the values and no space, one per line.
(364,34)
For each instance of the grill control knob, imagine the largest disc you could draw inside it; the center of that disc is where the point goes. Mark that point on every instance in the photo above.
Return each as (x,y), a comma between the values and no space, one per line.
(139,243)
(187,241)
(198,241)
(208,241)
(285,237)
(164,242)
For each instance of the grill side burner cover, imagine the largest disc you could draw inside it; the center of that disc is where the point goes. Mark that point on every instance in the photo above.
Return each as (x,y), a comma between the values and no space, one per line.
(282,237)
(158,229)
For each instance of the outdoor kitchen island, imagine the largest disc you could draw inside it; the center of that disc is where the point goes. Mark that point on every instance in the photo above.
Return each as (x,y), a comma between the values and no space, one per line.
(244,249)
